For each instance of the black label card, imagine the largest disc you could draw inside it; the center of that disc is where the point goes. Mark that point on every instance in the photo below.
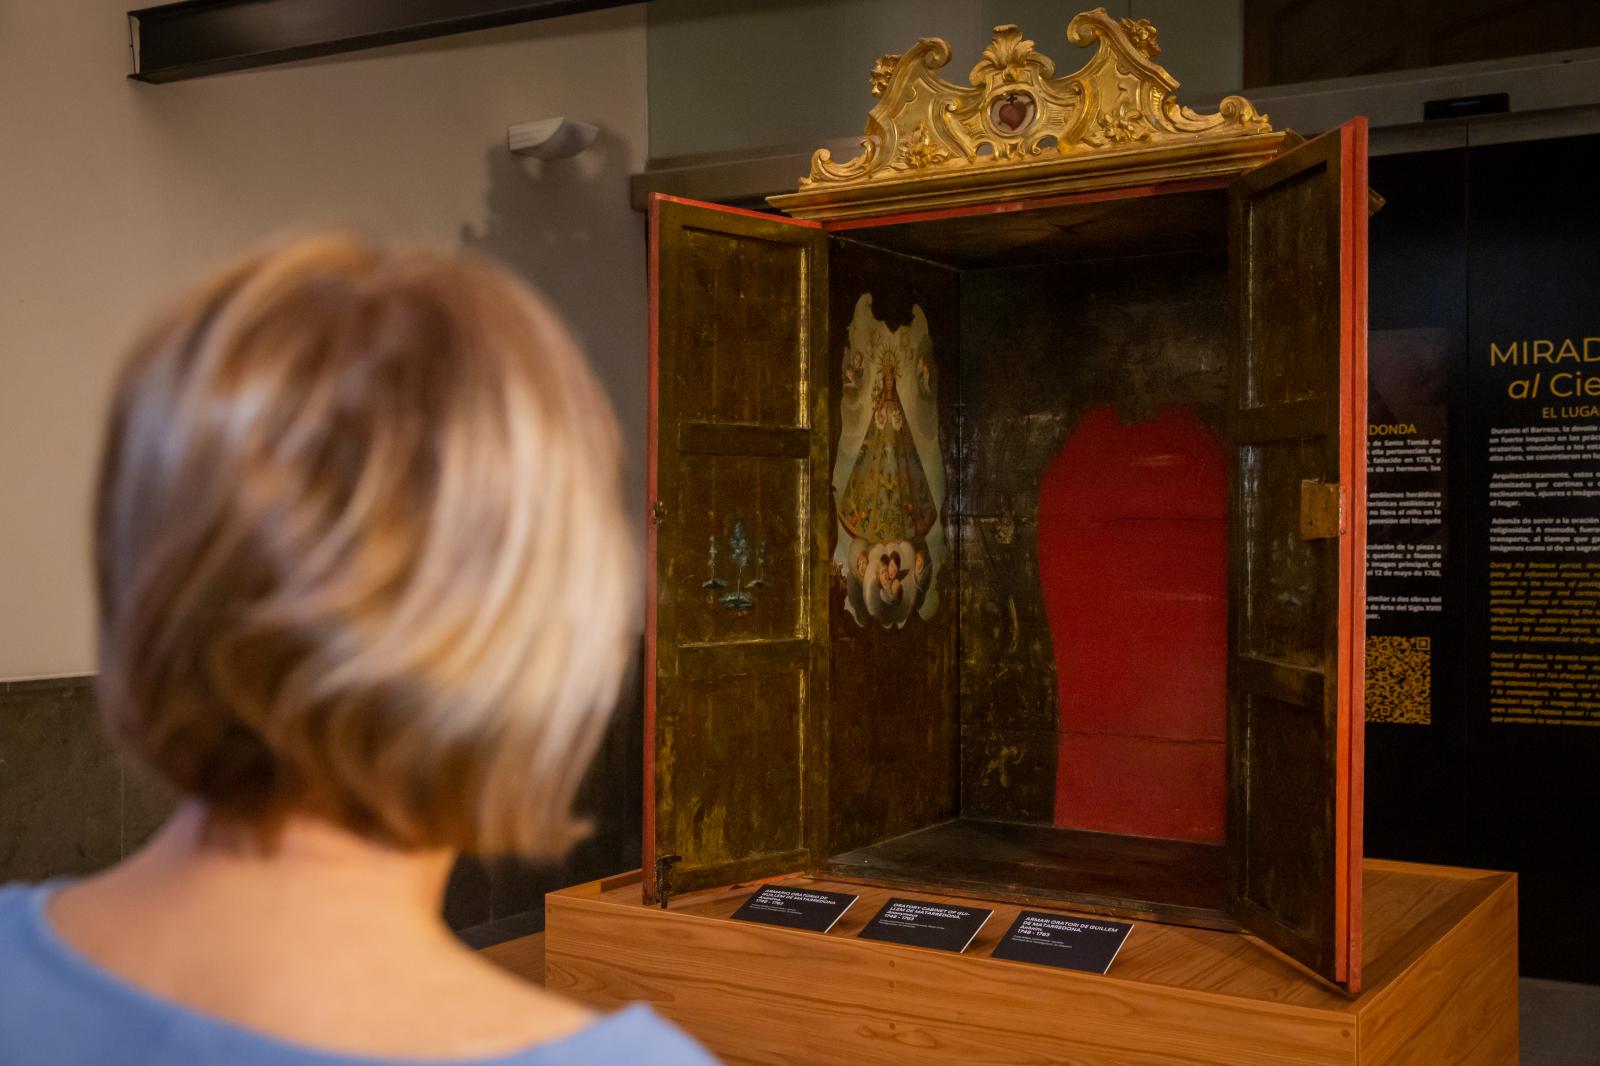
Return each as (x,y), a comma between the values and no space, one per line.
(796,908)
(1060,940)
(926,925)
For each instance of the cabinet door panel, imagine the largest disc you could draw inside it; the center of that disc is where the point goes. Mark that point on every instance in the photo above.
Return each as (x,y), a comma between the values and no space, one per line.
(1296,436)
(736,333)
(736,622)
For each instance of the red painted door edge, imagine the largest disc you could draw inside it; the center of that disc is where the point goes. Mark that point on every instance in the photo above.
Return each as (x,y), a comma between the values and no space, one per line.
(665,198)
(1341,800)
(1349,731)
(652,485)
(1354,190)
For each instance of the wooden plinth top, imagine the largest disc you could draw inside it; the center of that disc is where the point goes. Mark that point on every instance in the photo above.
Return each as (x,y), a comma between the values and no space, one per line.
(1408,909)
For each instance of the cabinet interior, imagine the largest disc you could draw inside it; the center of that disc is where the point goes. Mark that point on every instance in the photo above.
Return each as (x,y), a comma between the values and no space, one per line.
(1055,728)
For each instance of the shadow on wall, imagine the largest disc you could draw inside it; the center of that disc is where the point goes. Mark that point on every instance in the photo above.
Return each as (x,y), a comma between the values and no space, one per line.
(554,224)
(565,227)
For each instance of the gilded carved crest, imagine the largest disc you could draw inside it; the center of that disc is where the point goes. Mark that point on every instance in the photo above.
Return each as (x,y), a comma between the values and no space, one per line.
(1016,112)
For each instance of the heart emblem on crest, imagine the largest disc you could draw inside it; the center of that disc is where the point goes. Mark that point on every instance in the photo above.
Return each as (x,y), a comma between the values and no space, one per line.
(1012,111)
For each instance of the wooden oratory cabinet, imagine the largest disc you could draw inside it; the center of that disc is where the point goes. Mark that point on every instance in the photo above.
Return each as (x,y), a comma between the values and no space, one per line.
(1007,521)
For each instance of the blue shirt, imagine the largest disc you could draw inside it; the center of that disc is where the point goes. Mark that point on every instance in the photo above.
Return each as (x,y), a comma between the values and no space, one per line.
(59,1008)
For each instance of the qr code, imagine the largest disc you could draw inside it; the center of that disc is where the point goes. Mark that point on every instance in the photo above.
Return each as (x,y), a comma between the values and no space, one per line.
(1400,680)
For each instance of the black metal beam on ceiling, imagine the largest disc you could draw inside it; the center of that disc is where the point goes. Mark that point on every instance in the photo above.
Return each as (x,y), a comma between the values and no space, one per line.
(193,38)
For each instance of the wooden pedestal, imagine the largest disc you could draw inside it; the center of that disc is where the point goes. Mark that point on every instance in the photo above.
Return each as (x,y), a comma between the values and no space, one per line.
(1441,966)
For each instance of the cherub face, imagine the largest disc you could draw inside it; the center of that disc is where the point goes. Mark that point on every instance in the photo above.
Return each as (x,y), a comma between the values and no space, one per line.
(888,569)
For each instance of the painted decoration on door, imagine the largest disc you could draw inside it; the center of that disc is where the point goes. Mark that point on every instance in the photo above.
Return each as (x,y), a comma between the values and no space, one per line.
(888,479)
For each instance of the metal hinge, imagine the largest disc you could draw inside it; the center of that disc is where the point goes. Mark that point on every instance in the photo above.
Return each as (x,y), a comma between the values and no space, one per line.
(658,512)
(1321,510)
(664,878)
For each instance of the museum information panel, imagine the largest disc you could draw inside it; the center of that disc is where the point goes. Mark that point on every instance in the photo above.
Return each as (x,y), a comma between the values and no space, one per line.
(1483,566)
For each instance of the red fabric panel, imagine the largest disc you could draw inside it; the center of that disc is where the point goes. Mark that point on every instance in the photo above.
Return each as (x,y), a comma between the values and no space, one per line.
(1133,561)
(1142,786)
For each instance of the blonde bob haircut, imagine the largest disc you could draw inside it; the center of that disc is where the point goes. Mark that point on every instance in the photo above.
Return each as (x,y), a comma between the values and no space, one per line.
(359,552)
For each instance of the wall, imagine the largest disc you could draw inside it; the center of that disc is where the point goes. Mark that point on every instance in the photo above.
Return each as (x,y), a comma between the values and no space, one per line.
(115,195)
(729,77)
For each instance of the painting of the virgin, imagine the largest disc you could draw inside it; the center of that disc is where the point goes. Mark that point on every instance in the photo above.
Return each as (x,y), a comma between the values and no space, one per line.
(888,480)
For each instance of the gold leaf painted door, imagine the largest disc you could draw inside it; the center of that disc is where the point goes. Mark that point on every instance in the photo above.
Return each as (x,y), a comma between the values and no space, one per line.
(1296,433)
(736,626)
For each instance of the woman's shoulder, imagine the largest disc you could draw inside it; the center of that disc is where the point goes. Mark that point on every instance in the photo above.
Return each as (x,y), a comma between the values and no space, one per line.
(19,915)
(634,1034)
(13,891)
(502,1003)
(15,896)
(60,1009)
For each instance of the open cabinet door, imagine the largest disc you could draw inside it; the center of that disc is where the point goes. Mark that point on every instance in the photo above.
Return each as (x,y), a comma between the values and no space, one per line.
(1296,551)
(736,610)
